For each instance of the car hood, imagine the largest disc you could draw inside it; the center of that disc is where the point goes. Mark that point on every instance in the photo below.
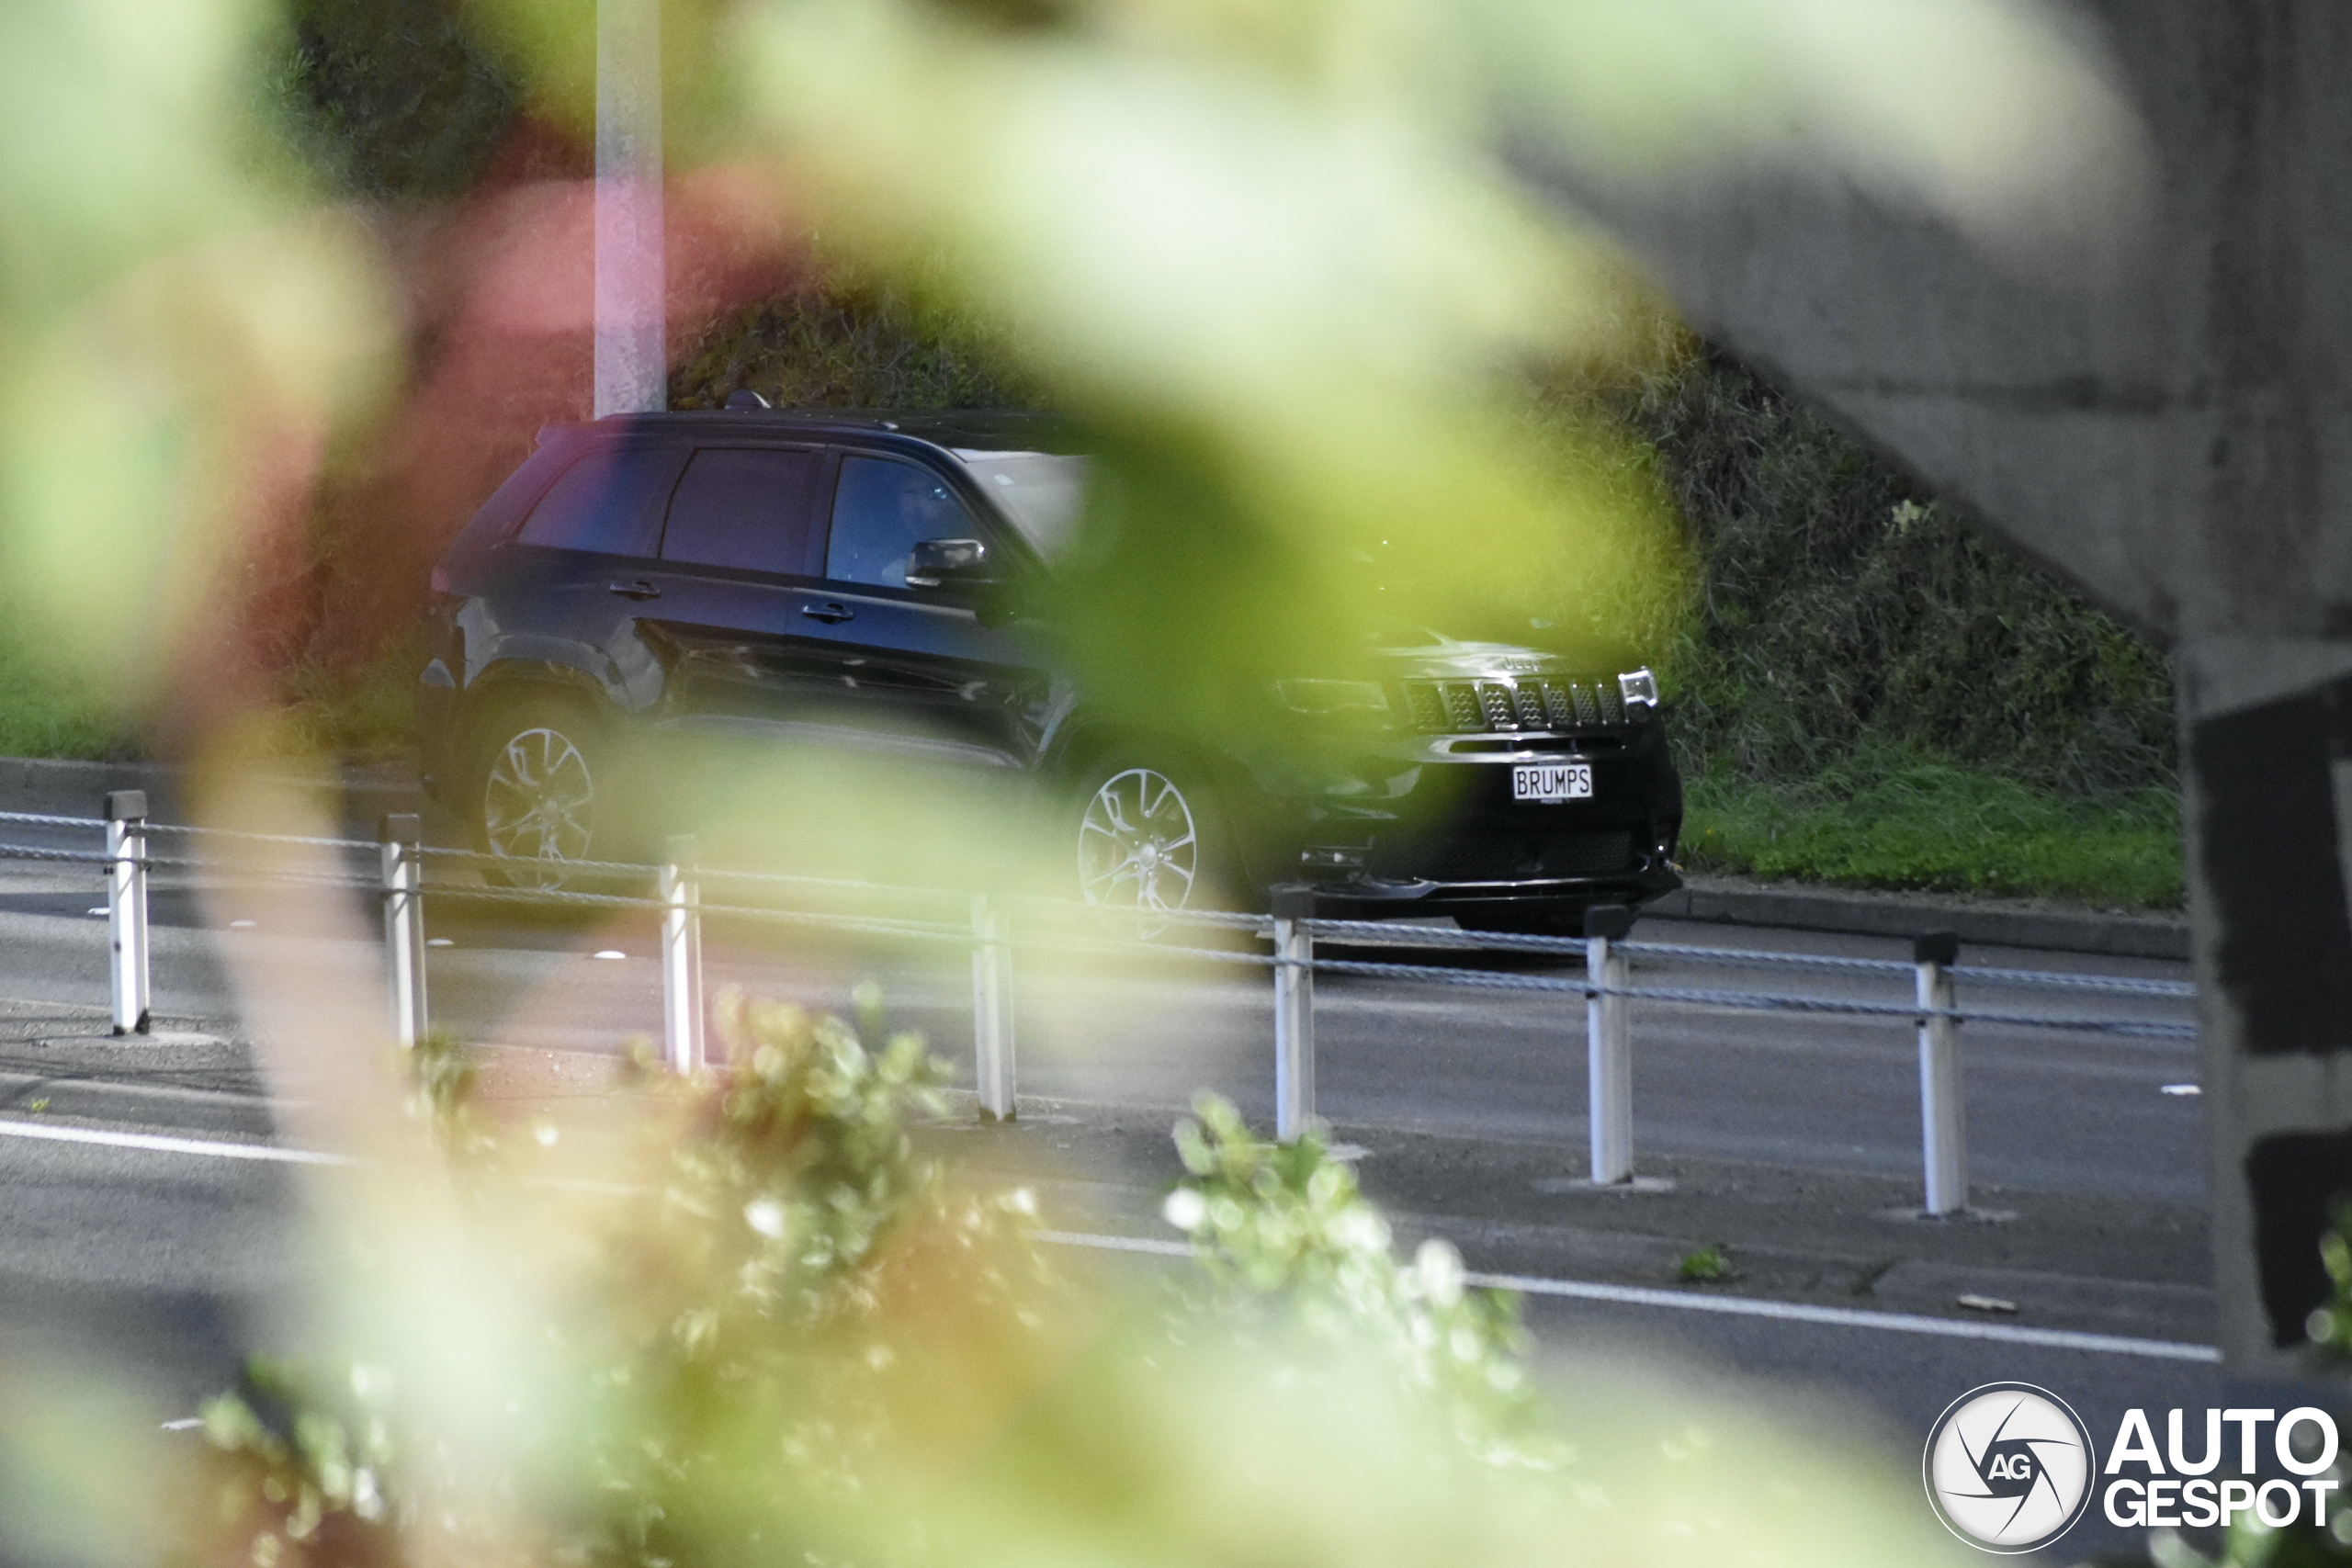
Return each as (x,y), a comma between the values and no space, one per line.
(1447,659)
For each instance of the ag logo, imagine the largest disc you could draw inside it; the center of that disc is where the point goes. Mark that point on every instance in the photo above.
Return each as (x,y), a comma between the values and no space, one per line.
(2008,1467)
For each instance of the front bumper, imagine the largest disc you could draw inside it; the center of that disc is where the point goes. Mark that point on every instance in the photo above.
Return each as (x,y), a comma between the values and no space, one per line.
(1420,827)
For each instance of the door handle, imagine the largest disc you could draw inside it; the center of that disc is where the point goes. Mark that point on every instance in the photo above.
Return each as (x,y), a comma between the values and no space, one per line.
(832,612)
(640,588)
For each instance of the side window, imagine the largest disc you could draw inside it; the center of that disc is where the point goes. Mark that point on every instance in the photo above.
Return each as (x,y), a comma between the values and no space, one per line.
(881,508)
(608,501)
(742,507)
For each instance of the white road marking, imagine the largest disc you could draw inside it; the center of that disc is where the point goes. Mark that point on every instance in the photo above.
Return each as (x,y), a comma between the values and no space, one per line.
(1745,1306)
(1576,1289)
(2184,1088)
(156,1143)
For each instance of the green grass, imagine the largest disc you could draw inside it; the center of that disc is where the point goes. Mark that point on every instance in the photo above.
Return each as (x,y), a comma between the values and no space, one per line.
(1908,821)
(361,716)
(46,712)
(1705,1266)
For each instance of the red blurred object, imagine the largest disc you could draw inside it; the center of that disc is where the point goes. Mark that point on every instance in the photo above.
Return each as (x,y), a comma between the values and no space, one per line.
(499,289)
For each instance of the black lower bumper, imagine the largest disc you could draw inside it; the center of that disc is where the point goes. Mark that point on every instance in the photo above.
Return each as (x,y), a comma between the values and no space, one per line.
(1365,899)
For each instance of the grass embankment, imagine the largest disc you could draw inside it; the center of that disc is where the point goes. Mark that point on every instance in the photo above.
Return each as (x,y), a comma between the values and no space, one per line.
(1871,693)
(46,711)
(1920,823)
(364,715)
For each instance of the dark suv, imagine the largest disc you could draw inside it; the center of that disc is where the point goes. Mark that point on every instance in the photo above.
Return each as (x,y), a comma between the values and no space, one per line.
(875,587)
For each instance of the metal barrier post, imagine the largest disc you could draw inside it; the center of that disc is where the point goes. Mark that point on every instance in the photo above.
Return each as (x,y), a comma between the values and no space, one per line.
(992,1062)
(1942,1118)
(682,1010)
(1294,1012)
(126,907)
(1609,1054)
(401,839)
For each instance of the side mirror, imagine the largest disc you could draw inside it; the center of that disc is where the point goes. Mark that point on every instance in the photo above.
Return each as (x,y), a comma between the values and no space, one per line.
(951,564)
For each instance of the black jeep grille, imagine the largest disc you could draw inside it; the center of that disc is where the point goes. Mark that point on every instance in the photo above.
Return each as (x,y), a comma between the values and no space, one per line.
(1528,701)
(1512,857)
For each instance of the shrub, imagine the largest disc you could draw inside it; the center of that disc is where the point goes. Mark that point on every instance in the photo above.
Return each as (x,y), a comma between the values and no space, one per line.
(784,1335)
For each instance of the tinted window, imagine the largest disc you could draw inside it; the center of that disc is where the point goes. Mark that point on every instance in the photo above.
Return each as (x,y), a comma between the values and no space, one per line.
(740,506)
(609,500)
(880,509)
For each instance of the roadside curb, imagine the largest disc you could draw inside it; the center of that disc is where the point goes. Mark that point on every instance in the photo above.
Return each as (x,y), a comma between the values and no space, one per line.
(54,787)
(1993,922)
(70,788)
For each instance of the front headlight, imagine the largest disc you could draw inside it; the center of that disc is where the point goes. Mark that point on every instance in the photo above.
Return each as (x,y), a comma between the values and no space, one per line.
(1640,687)
(1325,698)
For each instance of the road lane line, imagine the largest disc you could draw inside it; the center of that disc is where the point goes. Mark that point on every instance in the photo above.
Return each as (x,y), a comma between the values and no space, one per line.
(1578,1289)
(156,1143)
(1745,1306)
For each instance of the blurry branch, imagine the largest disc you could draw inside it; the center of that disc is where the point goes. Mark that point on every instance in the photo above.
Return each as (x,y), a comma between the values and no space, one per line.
(2002,117)
(775,1331)
(1272,254)
(1283,1225)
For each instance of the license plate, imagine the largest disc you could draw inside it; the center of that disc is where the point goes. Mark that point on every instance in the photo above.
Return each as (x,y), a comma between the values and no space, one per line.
(1551,781)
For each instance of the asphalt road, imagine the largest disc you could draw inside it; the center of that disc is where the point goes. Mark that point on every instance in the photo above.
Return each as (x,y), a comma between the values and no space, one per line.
(1789,1137)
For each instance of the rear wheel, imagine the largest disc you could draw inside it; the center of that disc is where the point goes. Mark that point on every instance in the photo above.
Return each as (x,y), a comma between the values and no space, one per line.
(542,800)
(1149,845)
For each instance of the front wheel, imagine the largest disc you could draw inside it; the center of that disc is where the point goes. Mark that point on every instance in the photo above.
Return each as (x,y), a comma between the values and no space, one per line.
(1150,845)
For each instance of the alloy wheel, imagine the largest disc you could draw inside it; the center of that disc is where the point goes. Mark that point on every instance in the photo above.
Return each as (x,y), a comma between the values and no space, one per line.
(1139,848)
(538,807)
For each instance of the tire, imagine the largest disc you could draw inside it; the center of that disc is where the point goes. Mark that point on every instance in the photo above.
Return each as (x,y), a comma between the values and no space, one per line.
(1148,842)
(542,794)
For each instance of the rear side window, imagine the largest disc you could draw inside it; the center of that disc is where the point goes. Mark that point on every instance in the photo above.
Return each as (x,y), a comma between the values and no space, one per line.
(881,508)
(609,502)
(742,507)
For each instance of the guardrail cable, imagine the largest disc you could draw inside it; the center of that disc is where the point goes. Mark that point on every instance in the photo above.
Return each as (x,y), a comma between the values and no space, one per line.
(1340,932)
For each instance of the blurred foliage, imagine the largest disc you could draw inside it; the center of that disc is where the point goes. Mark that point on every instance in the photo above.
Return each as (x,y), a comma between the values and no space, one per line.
(1276,257)
(2248,1542)
(1283,1223)
(788,1338)
(398,101)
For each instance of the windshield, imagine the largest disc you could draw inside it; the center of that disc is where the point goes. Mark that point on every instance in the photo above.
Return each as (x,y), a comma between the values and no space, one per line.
(1041,491)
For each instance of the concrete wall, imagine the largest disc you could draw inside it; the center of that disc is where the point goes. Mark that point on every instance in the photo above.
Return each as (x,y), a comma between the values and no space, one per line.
(2160,410)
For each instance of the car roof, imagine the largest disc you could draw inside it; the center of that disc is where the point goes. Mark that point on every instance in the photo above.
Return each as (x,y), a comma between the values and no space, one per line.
(981,430)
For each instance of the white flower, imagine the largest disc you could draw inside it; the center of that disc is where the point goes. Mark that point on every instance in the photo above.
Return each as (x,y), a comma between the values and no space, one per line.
(765,1215)
(1440,1267)
(1185,1208)
(1360,1228)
